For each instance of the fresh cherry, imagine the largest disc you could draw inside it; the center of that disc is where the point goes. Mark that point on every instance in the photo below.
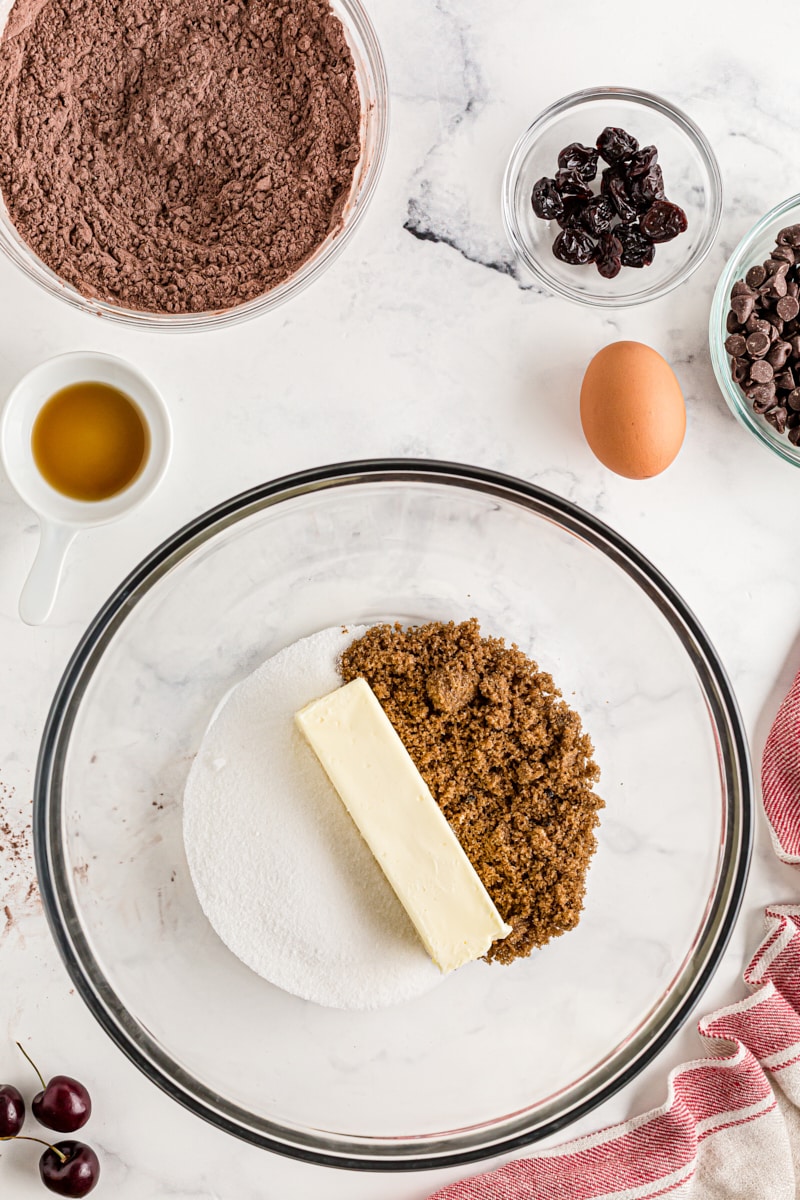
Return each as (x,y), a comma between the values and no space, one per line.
(69,1168)
(63,1104)
(12,1111)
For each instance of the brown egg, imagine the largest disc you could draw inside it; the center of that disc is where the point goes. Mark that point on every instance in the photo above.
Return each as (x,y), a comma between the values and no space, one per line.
(632,410)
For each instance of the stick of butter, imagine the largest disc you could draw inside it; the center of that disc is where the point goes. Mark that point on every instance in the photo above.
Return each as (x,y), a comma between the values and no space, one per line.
(402,824)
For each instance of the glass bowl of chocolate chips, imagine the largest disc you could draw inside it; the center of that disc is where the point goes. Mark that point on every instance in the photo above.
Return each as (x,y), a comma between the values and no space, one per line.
(612,197)
(754,330)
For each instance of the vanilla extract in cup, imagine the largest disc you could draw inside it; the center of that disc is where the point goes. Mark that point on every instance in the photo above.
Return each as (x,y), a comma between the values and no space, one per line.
(84,439)
(90,441)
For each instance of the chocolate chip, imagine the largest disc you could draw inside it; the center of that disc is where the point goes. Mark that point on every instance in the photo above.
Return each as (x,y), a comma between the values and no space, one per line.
(779,354)
(794,435)
(758,344)
(755,277)
(761,371)
(790,236)
(740,368)
(762,396)
(732,322)
(783,253)
(787,308)
(777,417)
(741,288)
(793,399)
(777,285)
(743,306)
(736,344)
(785,381)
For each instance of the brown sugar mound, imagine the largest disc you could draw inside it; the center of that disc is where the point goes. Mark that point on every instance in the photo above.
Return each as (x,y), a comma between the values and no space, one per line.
(177,156)
(506,760)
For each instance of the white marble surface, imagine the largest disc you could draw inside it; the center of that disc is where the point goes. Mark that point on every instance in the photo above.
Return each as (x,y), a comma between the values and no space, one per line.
(424,346)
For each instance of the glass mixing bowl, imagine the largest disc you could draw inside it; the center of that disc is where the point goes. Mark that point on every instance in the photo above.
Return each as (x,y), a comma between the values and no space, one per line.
(494,1057)
(691,177)
(371,77)
(752,250)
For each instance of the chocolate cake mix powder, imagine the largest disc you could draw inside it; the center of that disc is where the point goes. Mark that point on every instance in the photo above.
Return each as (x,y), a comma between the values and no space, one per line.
(176,156)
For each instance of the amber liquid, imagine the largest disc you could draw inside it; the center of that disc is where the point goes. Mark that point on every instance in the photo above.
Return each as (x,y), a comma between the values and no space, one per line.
(90,441)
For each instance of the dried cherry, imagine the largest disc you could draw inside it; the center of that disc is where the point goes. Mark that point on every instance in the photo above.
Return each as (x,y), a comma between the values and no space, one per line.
(580,159)
(620,226)
(569,183)
(644,189)
(615,144)
(643,160)
(574,246)
(637,250)
(613,185)
(609,255)
(663,221)
(598,215)
(546,199)
(572,216)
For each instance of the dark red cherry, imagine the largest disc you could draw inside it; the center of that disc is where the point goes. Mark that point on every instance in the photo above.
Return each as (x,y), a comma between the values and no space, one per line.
(12,1111)
(64,1105)
(69,1169)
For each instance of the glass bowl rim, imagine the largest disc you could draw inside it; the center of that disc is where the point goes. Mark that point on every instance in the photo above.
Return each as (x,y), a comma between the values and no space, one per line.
(375,117)
(648,100)
(406,1153)
(734,398)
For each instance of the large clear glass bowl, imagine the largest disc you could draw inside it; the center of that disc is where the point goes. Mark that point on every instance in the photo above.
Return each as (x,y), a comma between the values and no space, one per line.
(372,84)
(494,1057)
(691,176)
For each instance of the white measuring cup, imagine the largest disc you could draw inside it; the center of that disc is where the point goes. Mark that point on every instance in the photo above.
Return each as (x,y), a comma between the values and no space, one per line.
(60,517)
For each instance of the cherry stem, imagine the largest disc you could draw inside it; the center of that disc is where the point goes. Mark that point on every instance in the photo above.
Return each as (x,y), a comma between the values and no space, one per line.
(22,1137)
(33,1064)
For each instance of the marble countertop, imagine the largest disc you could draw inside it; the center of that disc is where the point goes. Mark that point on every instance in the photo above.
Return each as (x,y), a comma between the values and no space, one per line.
(422,341)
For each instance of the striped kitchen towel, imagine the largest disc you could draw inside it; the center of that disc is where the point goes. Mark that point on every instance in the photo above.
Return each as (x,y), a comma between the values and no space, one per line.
(730,1129)
(780,778)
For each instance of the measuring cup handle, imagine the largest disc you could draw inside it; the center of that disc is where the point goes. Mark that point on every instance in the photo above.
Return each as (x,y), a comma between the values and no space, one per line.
(39,592)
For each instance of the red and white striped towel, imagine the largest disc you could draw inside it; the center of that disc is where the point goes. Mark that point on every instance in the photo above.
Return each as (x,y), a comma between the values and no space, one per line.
(730,1129)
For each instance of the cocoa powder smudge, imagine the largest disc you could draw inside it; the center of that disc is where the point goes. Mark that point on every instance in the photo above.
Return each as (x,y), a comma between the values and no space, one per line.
(505,758)
(176,157)
(20,892)
(15,843)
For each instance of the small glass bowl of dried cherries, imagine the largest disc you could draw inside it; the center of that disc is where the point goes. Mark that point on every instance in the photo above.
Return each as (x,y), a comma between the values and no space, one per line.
(612,197)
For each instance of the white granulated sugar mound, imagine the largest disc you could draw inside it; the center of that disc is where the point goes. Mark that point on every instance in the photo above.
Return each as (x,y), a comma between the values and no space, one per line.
(280,869)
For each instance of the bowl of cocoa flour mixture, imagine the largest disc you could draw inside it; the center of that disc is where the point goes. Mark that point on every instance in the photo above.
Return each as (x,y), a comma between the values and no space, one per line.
(178,164)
